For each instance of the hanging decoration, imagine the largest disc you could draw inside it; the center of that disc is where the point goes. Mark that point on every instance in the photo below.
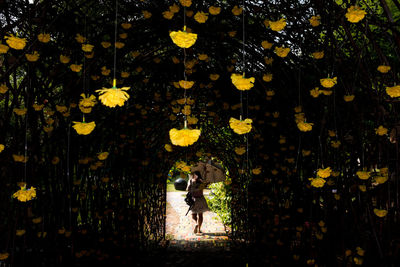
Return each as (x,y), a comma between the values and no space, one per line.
(84,128)
(240,126)
(183,39)
(242,83)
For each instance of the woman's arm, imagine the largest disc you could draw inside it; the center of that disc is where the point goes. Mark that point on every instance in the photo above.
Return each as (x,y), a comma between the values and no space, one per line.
(189,186)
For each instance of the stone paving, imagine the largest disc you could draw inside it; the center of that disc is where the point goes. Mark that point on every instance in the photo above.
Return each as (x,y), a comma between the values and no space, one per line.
(179,228)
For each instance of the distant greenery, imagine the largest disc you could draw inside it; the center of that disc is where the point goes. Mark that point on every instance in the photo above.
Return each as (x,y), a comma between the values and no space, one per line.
(219,201)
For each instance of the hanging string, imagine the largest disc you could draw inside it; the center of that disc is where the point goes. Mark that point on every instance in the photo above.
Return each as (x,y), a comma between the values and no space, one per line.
(115,41)
(184,69)
(26,124)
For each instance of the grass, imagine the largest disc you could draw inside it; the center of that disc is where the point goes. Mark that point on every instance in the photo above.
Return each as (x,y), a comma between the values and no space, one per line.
(171,188)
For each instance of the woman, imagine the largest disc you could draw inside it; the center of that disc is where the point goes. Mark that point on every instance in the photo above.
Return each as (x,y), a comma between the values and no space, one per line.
(196,186)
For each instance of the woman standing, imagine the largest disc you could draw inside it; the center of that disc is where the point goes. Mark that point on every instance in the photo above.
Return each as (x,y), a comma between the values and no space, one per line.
(196,186)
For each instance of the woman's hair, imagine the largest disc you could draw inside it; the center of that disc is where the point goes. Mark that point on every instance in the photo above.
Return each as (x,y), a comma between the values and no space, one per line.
(198,174)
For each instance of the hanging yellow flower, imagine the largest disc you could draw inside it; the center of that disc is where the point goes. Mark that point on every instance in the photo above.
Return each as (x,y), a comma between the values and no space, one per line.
(256,171)
(112,97)
(186,110)
(183,39)
(381,179)
(102,155)
(4,256)
(267,77)
(64,59)
(363,175)
(318,55)
(240,126)
(315,21)
(186,84)
(84,128)
(146,14)
(305,153)
(277,25)
(168,14)
(32,57)
(214,10)
(214,77)
(186,3)
(203,57)
(3,88)
(76,67)
(201,17)
(328,82)
(393,91)
(87,48)
(355,14)
(174,8)
(105,71)
(1,147)
(3,49)
(105,44)
(126,25)
(192,120)
(266,44)
(44,37)
(383,69)
(19,158)
(305,126)
(381,130)
(282,51)
(324,173)
(317,182)
(240,150)
(184,137)
(335,144)
(348,98)
(87,103)
(242,83)
(24,194)
(15,42)
(20,111)
(237,10)
(119,45)
(168,147)
(80,39)
(380,213)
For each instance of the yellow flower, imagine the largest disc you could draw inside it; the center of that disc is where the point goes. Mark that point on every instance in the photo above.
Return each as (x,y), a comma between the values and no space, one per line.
(3,49)
(146,14)
(277,25)
(105,71)
(324,173)
(317,182)
(126,25)
(186,3)
(266,44)
(119,45)
(315,21)
(256,171)
(348,98)
(305,126)
(363,175)
(318,54)
(201,17)
(64,59)
(239,126)
(315,92)
(192,120)
(76,67)
(240,150)
(383,69)
(3,88)
(214,77)
(87,48)
(326,92)
(174,8)
(102,155)
(328,82)
(61,109)
(24,195)
(237,10)
(282,51)
(105,44)
(355,14)
(1,147)
(381,179)
(15,42)
(20,232)
(186,110)
(203,56)
(393,91)
(305,153)
(123,35)
(112,97)
(168,14)
(44,37)
(4,256)
(184,137)
(87,103)
(267,77)
(335,144)
(242,83)
(186,84)
(84,128)
(20,111)
(381,130)
(232,33)
(125,74)
(183,39)
(80,39)
(32,57)
(331,133)
(168,147)
(380,213)
(270,93)
(298,109)
(19,158)
(214,10)
(55,160)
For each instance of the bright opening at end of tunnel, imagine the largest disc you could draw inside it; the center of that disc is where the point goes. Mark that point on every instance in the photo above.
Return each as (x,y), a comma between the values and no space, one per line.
(207,223)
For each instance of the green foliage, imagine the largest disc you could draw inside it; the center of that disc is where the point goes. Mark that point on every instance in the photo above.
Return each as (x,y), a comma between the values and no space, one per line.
(219,201)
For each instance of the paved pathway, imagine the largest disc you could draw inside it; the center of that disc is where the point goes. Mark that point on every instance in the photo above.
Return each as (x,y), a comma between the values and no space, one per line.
(179,228)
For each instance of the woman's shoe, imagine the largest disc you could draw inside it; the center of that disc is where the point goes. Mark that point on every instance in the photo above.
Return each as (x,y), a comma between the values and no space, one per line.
(196,229)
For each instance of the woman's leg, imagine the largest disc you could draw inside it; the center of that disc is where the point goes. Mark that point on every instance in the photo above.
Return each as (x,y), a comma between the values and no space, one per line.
(194,216)
(200,220)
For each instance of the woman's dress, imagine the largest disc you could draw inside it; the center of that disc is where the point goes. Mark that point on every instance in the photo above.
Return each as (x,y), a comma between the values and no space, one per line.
(200,203)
